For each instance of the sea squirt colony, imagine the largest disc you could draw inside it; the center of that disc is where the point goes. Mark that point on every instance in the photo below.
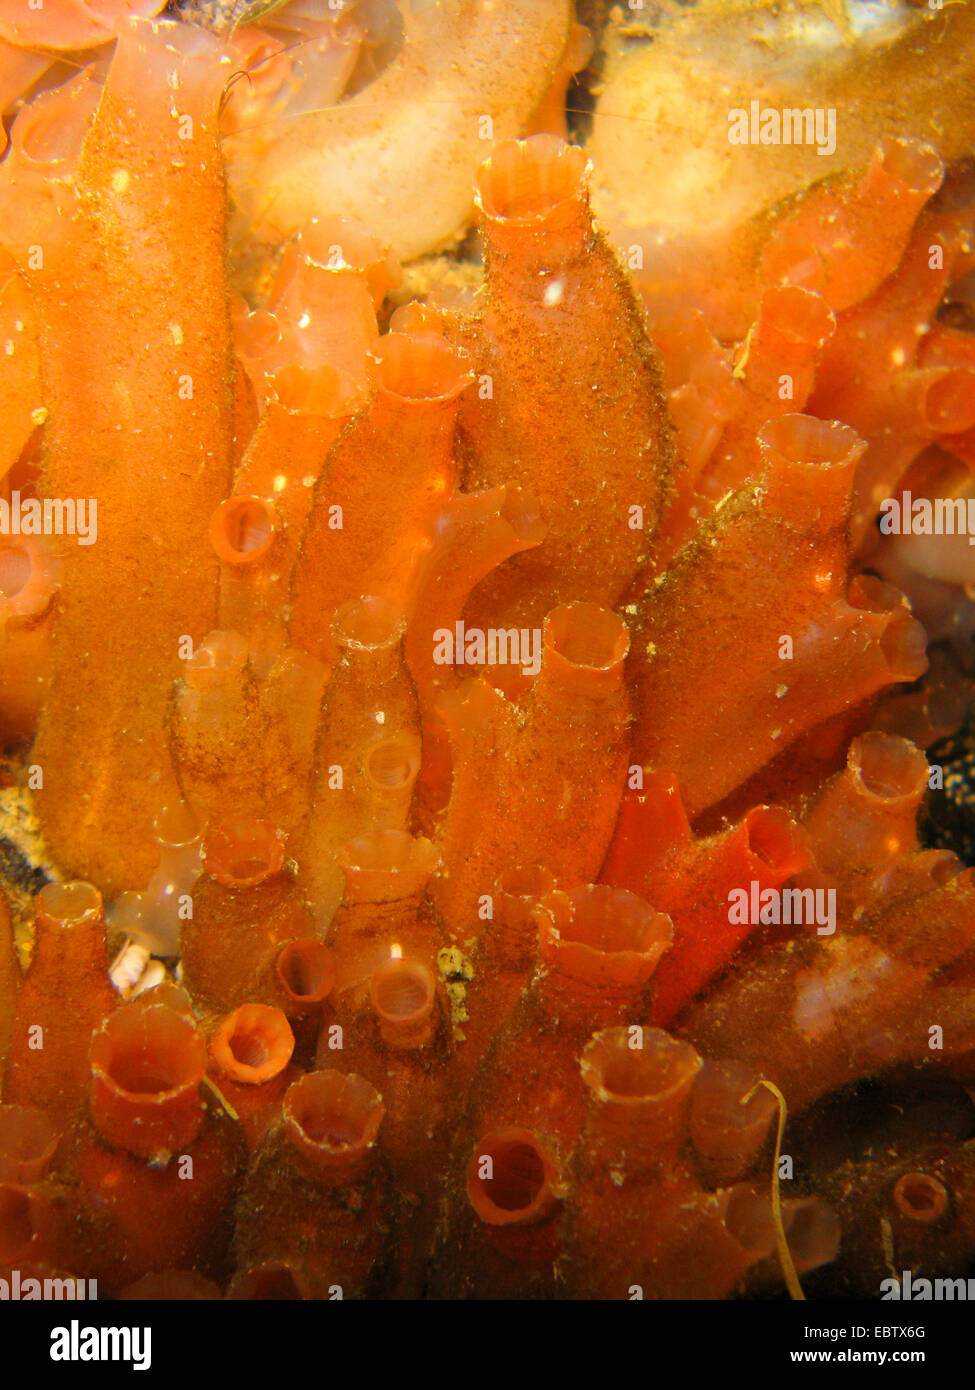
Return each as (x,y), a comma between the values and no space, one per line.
(472,717)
